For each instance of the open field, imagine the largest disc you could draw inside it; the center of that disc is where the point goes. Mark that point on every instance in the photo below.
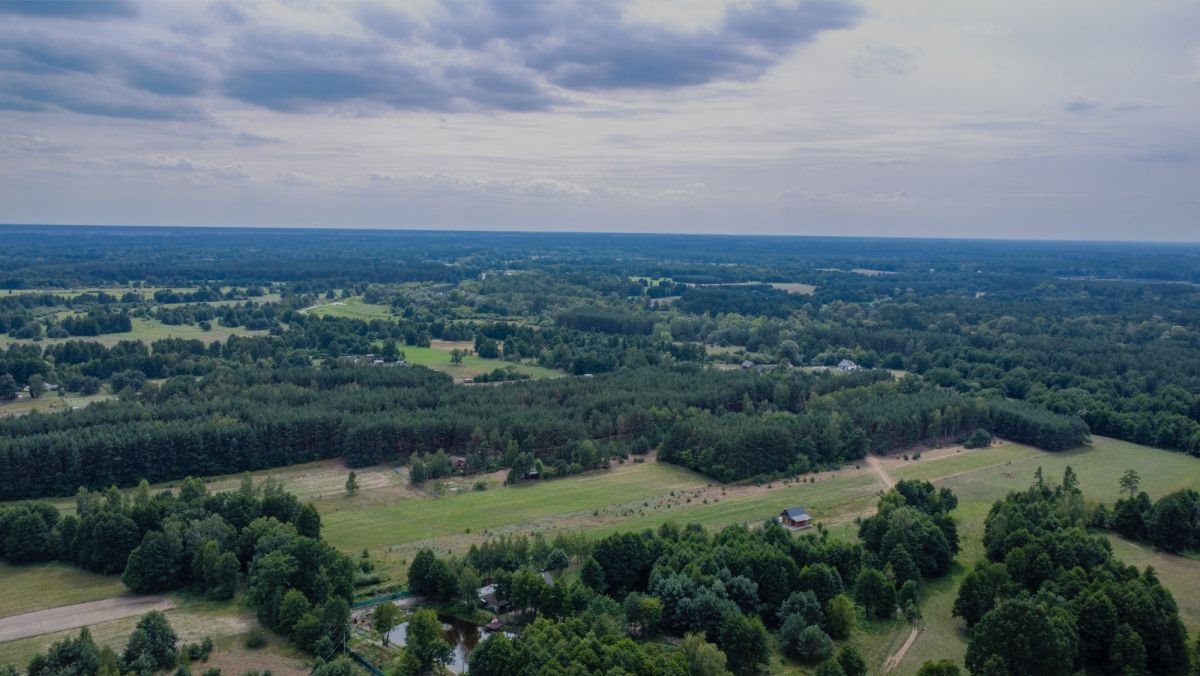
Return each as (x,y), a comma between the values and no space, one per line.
(423,519)
(118,291)
(49,585)
(309,481)
(796,287)
(225,623)
(437,357)
(148,331)
(351,308)
(49,402)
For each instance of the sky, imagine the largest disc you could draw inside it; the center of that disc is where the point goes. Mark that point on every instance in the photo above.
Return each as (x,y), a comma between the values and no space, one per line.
(1070,119)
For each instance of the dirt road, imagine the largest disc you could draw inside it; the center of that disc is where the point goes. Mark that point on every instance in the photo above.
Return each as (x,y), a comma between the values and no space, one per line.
(884,478)
(81,614)
(898,656)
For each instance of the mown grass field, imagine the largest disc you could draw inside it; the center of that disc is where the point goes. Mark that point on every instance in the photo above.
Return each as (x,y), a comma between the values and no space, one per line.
(425,519)
(437,357)
(796,287)
(148,331)
(49,585)
(351,308)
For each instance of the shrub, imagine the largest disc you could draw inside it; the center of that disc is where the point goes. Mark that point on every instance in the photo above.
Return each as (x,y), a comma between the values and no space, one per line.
(978,439)
(256,638)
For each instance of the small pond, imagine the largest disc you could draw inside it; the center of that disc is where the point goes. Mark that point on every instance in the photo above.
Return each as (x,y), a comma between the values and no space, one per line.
(462,637)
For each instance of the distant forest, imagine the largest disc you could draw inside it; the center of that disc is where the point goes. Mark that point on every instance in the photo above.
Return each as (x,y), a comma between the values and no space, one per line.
(719,353)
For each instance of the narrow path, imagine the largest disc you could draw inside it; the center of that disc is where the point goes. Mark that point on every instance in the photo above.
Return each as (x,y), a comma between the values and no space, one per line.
(898,656)
(79,615)
(884,478)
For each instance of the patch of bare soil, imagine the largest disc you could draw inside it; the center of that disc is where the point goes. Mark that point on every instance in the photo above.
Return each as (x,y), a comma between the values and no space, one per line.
(79,615)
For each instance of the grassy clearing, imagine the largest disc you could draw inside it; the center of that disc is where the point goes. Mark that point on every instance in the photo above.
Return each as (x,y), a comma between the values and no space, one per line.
(145,292)
(795,287)
(836,499)
(352,528)
(226,623)
(49,402)
(437,357)
(352,308)
(148,331)
(50,585)
(1179,573)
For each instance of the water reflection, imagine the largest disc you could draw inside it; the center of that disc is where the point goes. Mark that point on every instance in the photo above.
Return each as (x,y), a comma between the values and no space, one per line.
(462,637)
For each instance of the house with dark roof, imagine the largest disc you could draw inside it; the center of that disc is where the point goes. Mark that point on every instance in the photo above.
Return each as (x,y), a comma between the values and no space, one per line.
(795,518)
(488,598)
(845,366)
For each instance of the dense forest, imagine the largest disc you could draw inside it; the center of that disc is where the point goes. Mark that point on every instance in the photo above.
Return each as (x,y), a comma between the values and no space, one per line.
(1041,344)
(175,353)
(729,425)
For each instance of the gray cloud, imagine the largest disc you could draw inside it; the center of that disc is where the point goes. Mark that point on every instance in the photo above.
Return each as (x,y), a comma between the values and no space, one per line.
(45,71)
(474,55)
(1080,105)
(591,47)
(1164,157)
(71,9)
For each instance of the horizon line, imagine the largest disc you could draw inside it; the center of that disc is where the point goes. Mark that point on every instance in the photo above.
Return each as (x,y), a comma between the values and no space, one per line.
(585,231)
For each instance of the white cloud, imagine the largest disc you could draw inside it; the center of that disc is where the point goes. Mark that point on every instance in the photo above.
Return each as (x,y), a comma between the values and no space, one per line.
(184,165)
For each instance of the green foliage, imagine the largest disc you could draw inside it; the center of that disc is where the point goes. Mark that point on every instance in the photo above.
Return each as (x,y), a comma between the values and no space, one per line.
(1113,617)
(851,662)
(840,617)
(255,638)
(980,438)
(981,590)
(425,645)
(152,644)
(875,594)
(557,559)
(68,656)
(939,668)
(155,565)
(1174,523)
(384,618)
(807,643)
(746,644)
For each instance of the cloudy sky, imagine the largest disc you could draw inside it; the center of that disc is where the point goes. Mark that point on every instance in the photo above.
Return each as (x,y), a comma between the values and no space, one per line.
(974,118)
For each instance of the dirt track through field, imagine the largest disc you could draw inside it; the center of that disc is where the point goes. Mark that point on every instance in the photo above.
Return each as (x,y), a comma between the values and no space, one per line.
(898,656)
(884,478)
(79,615)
